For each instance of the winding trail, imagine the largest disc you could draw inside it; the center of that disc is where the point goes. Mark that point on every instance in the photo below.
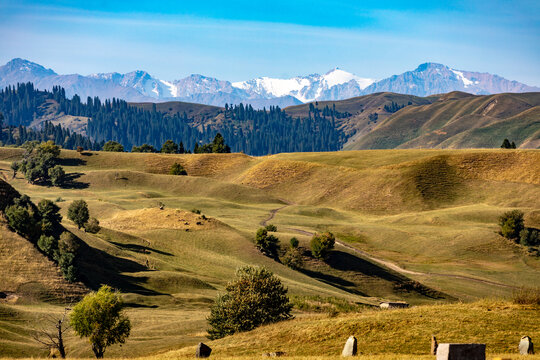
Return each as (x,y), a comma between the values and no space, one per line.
(387,263)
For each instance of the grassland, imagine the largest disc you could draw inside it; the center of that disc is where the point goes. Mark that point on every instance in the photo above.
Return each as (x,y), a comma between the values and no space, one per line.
(403,218)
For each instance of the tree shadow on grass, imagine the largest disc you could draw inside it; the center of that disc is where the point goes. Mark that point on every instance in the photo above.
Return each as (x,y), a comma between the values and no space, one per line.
(139,248)
(335,281)
(71,183)
(71,162)
(96,267)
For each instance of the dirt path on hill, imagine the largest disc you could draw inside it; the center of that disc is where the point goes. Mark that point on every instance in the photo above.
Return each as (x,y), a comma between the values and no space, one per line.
(386,263)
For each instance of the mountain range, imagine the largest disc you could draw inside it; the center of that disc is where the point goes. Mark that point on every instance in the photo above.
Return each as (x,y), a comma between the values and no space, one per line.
(337,84)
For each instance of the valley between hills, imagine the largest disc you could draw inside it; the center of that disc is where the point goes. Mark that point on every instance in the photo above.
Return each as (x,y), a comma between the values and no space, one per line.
(413,225)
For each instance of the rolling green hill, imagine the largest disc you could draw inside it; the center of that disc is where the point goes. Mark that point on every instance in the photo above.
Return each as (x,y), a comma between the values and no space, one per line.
(412,225)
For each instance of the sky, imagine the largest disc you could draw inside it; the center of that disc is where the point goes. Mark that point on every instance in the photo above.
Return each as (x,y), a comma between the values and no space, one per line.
(239,39)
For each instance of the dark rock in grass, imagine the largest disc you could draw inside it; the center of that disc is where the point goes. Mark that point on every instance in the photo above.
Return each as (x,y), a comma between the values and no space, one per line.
(350,347)
(275,354)
(461,352)
(526,346)
(203,351)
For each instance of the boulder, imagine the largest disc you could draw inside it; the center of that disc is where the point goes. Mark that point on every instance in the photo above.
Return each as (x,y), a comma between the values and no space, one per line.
(434,345)
(461,352)
(275,354)
(203,351)
(393,305)
(526,346)
(350,347)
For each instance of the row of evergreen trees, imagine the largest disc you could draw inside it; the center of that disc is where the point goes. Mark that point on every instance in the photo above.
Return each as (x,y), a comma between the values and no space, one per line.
(255,132)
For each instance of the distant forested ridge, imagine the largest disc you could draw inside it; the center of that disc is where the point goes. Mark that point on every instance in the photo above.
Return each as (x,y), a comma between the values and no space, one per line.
(254,132)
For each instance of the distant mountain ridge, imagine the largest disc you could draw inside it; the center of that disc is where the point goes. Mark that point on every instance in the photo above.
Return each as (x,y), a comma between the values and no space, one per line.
(337,84)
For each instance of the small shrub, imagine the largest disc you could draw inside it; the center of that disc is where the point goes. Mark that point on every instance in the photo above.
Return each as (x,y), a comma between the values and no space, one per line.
(526,296)
(271,227)
(322,244)
(294,243)
(80,149)
(293,259)
(511,224)
(267,244)
(529,237)
(177,169)
(196,211)
(92,226)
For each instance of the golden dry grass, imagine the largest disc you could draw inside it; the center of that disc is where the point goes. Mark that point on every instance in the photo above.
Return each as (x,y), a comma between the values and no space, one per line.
(155,218)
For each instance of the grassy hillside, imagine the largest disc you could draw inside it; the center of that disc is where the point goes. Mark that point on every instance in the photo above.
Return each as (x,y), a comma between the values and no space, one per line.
(459,122)
(412,225)
(406,331)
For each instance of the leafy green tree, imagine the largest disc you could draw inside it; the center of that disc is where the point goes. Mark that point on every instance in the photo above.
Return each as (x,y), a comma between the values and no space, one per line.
(48,147)
(169,147)
(57,175)
(177,169)
(113,146)
(144,148)
(294,243)
(511,224)
(322,244)
(271,227)
(99,317)
(255,298)
(20,220)
(48,244)
(50,216)
(219,146)
(267,244)
(78,212)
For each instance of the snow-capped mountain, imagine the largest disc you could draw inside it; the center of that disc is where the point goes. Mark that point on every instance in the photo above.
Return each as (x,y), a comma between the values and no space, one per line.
(337,84)
(307,88)
(431,78)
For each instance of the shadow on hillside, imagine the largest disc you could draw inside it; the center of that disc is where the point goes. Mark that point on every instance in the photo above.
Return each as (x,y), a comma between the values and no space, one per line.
(97,267)
(139,248)
(71,183)
(335,281)
(344,261)
(71,162)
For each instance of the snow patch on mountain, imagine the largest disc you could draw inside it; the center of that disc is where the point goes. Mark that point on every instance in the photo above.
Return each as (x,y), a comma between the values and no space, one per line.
(466,82)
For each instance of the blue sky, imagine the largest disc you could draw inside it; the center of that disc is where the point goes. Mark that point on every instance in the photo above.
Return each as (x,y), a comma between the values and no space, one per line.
(238,40)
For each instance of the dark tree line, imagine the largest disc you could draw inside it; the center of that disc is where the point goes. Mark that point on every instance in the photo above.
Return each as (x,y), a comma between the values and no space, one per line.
(255,132)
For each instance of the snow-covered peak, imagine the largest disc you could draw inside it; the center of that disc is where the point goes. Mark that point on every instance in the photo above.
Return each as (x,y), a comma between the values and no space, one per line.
(466,82)
(306,88)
